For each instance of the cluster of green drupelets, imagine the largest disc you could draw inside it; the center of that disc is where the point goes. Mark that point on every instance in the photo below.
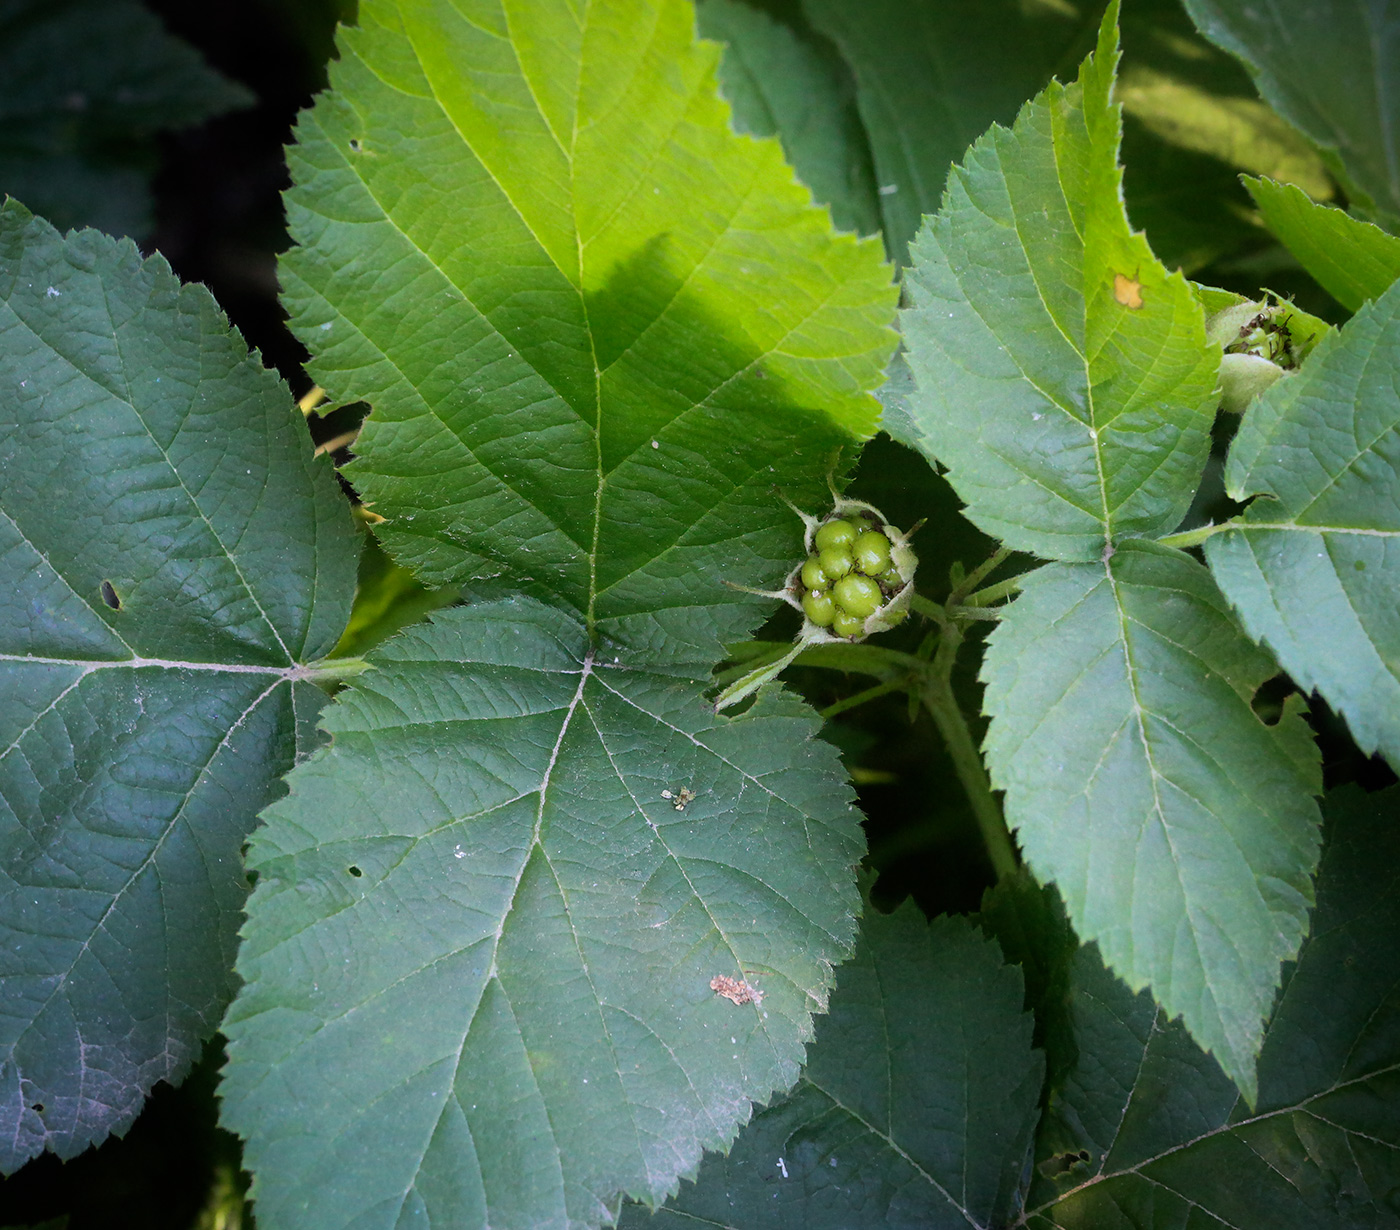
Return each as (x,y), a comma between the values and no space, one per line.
(849,577)
(857,580)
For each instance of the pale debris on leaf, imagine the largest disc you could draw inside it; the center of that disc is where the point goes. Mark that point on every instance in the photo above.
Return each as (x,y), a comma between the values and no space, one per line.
(736,990)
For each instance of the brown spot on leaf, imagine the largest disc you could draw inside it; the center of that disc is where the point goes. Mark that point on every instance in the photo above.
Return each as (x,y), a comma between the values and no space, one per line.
(1128,291)
(736,990)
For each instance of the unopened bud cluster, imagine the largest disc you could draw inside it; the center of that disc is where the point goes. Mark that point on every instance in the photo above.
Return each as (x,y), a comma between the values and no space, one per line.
(1262,342)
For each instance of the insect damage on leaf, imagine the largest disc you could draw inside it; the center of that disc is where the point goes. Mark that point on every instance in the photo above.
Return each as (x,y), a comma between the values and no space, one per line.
(736,990)
(1128,291)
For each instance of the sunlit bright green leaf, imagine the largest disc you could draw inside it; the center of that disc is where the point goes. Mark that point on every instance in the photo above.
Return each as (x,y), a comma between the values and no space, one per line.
(1353,260)
(588,316)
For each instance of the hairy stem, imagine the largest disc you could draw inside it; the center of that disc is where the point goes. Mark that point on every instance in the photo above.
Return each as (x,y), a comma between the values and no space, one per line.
(1194,538)
(933,683)
(975,578)
(936,692)
(993,593)
(860,698)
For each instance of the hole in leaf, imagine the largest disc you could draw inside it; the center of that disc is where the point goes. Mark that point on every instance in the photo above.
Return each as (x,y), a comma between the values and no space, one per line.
(38,1108)
(355,145)
(355,871)
(109,596)
(1268,700)
(1062,1163)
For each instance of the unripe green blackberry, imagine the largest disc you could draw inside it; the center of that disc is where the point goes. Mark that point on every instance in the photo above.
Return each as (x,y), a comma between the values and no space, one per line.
(847,625)
(836,562)
(819,608)
(814,576)
(836,533)
(858,595)
(858,583)
(857,579)
(871,552)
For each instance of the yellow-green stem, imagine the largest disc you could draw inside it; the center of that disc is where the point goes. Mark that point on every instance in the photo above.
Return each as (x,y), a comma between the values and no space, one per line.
(975,578)
(860,698)
(936,692)
(1194,538)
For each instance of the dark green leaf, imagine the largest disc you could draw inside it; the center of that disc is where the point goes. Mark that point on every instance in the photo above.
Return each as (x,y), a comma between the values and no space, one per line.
(1333,70)
(487,922)
(1149,1133)
(1063,375)
(169,555)
(783,85)
(1178,827)
(1313,566)
(916,1107)
(1353,260)
(932,76)
(1028,920)
(84,86)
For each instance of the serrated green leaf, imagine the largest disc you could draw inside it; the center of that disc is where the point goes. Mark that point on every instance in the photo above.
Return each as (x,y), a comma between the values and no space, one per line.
(1313,565)
(169,555)
(588,316)
(1179,828)
(932,76)
(896,418)
(1148,1132)
(84,86)
(1027,919)
(1353,260)
(916,1108)
(487,920)
(781,84)
(1333,72)
(1063,376)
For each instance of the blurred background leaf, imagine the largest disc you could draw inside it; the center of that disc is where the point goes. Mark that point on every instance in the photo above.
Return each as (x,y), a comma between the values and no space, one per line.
(84,87)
